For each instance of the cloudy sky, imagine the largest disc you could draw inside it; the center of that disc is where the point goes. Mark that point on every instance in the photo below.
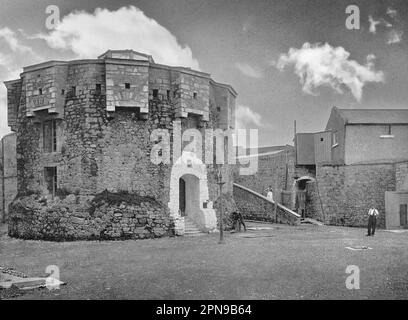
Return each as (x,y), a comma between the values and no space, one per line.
(287,59)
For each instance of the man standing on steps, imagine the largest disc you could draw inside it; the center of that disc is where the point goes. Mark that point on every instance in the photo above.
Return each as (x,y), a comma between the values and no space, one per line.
(269,193)
(372,221)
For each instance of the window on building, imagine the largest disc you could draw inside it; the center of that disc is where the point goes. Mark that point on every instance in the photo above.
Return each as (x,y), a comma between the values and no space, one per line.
(50,179)
(73,89)
(98,88)
(174,94)
(321,139)
(335,139)
(155,93)
(40,91)
(404,215)
(387,132)
(127,85)
(195,95)
(168,94)
(62,91)
(49,136)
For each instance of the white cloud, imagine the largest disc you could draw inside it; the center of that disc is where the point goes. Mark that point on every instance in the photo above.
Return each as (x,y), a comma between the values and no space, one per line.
(374,23)
(248,70)
(394,36)
(392,13)
(10,37)
(13,54)
(90,34)
(245,117)
(323,65)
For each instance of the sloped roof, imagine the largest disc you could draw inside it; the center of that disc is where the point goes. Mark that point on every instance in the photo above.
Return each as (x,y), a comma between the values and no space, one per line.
(374,116)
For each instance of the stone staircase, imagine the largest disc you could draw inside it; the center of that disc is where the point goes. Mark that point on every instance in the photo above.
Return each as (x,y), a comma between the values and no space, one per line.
(191,228)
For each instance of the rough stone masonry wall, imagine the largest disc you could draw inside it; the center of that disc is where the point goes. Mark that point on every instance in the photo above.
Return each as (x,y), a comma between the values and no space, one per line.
(401,176)
(271,172)
(95,153)
(8,174)
(77,217)
(347,192)
(255,207)
(313,204)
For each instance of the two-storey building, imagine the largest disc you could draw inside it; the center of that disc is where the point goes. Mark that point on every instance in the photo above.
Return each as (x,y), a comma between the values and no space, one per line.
(357,159)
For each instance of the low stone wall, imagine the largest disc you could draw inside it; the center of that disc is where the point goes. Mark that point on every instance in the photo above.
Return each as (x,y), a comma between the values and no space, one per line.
(255,206)
(88,218)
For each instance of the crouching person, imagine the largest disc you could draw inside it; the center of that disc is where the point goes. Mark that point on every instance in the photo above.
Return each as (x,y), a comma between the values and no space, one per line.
(238,220)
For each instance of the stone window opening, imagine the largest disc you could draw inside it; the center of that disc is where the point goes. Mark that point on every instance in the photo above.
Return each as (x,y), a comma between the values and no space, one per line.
(155,93)
(62,91)
(387,132)
(195,95)
(51,179)
(50,136)
(73,88)
(98,88)
(168,94)
(40,92)
(335,140)
(127,85)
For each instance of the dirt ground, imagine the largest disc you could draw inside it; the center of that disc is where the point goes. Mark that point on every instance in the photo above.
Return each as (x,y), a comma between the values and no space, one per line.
(267,262)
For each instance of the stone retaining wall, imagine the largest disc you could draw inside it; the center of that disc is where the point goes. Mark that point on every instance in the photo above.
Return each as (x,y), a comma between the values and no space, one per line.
(84,218)
(347,192)
(254,206)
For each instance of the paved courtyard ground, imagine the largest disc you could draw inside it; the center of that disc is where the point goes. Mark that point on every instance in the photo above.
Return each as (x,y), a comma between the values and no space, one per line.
(282,262)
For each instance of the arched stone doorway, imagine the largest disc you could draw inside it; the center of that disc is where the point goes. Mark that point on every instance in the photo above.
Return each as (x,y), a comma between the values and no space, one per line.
(189,194)
(299,194)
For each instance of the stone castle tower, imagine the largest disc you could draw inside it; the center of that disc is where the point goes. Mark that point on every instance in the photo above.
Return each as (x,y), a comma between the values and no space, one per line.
(84,141)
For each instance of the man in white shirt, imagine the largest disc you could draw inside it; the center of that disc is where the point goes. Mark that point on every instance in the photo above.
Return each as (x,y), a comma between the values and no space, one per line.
(372,221)
(269,195)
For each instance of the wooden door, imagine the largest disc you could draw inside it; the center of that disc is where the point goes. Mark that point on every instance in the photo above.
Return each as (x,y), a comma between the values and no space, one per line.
(403,216)
(182,197)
